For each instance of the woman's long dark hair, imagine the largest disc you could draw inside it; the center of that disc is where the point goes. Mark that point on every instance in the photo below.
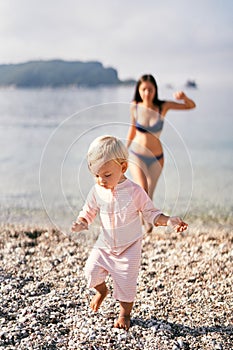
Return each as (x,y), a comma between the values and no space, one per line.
(147,77)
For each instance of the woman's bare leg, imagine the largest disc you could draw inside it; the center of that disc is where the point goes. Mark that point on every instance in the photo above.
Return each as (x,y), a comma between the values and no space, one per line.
(146,177)
(154,172)
(137,170)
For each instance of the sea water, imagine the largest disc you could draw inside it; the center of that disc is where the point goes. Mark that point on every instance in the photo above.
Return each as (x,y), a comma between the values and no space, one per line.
(45,134)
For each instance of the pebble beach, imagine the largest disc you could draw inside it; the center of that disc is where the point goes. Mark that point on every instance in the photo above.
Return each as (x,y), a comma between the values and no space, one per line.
(184,296)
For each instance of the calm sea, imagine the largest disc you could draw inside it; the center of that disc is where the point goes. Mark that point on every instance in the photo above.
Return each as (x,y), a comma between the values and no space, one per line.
(44,136)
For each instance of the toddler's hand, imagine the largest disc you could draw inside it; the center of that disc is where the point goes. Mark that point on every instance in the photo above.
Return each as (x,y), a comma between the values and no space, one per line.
(177,224)
(79,226)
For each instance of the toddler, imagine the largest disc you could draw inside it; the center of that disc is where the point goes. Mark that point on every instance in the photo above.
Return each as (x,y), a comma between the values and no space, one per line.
(119,202)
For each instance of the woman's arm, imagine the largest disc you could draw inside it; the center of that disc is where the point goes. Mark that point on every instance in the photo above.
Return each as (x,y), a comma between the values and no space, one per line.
(132,128)
(186,103)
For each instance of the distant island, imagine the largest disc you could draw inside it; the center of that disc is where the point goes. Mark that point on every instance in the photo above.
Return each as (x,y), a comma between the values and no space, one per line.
(191,84)
(59,73)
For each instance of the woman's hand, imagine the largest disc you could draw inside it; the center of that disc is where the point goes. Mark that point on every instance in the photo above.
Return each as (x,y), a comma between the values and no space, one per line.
(187,102)
(179,95)
(177,224)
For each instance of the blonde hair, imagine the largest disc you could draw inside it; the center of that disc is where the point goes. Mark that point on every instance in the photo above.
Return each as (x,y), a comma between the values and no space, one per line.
(106,148)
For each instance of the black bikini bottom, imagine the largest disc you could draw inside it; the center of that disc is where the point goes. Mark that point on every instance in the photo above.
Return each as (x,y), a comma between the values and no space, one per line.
(148,160)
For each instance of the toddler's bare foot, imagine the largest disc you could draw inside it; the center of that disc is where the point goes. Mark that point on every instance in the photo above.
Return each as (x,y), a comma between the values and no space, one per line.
(97,300)
(123,322)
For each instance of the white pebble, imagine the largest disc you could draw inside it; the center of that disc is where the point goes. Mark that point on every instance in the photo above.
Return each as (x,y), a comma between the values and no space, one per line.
(84,330)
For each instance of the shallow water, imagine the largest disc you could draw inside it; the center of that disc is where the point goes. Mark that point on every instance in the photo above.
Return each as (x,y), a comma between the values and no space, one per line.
(44,136)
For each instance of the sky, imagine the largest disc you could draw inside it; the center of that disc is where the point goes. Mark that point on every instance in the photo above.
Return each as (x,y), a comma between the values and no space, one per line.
(174,40)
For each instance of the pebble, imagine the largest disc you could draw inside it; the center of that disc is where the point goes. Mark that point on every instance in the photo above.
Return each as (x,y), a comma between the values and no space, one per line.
(45,302)
(84,330)
(180,343)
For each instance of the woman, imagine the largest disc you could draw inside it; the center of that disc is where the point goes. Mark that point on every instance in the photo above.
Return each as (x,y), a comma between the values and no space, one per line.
(147,119)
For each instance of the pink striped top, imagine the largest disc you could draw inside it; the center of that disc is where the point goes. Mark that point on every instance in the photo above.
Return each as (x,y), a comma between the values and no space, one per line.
(118,210)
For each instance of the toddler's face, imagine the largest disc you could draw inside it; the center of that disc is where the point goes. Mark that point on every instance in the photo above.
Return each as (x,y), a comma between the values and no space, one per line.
(110,174)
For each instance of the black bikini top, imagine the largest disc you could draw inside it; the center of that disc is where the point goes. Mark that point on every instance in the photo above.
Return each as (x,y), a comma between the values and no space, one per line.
(158,126)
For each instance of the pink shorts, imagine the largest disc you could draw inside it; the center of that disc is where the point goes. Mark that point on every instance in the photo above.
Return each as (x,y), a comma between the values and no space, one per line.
(123,269)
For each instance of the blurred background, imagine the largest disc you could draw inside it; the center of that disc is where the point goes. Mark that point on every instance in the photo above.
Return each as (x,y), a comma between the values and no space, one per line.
(45,132)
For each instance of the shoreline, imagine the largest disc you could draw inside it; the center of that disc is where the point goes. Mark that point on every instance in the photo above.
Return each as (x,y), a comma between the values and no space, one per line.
(184,297)
(57,217)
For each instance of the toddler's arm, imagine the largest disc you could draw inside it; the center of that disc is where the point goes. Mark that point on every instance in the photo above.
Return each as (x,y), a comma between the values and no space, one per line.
(173,221)
(79,225)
